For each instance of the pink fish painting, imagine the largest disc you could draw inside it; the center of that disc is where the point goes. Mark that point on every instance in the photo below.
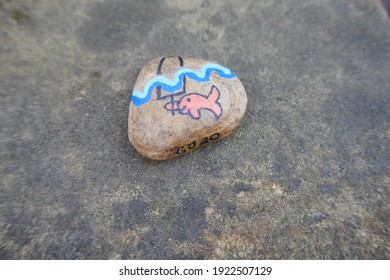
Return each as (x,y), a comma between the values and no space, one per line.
(192,104)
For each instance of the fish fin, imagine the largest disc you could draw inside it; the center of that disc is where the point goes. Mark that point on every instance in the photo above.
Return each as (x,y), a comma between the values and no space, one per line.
(213,95)
(195,114)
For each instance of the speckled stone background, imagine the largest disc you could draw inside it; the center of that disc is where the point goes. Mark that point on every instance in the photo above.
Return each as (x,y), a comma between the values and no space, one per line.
(306,176)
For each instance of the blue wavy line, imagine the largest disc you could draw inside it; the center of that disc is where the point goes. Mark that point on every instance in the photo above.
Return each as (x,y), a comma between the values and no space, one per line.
(202,75)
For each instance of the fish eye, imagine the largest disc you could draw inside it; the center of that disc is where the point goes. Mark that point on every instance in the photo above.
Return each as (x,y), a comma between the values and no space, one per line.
(188,99)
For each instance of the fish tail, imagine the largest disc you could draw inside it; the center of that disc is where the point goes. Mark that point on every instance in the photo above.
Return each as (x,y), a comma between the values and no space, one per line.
(213,95)
(213,98)
(217,109)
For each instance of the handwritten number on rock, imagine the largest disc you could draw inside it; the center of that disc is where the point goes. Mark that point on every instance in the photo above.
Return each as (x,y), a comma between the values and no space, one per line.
(193,144)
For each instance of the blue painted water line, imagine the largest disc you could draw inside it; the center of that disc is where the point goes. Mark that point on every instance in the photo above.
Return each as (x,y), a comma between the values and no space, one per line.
(201,75)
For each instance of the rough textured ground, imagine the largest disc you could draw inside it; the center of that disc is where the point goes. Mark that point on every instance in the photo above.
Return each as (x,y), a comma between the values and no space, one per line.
(305,177)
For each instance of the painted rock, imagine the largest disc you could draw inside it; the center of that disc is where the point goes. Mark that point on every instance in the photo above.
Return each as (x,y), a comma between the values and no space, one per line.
(180,105)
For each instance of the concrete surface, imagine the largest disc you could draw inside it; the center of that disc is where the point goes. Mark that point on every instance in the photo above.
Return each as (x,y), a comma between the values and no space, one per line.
(305,177)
